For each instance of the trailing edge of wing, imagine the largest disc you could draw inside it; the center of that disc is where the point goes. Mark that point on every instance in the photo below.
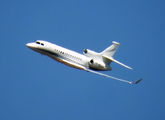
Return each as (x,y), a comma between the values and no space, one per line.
(113,77)
(112,59)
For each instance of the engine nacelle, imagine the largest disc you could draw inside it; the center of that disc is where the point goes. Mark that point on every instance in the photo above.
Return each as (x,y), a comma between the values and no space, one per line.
(96,61)
(90,53)
(96,65)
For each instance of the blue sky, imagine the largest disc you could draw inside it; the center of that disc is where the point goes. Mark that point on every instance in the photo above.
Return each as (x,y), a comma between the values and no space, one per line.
(36,87)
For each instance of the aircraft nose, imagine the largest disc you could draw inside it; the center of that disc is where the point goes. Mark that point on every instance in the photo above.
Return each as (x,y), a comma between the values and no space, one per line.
(31,45)
(28,44)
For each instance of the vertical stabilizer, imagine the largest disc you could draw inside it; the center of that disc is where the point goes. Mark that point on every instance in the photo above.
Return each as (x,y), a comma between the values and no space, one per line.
(110,51)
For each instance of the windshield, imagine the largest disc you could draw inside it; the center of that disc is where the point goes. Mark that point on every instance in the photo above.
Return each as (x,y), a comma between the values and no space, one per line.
(37,42)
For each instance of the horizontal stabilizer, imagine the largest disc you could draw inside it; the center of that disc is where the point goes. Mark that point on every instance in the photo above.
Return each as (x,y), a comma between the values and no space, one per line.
(112,59)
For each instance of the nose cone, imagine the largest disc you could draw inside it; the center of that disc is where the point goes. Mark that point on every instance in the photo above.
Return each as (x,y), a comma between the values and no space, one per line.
(28,44)
(31,45)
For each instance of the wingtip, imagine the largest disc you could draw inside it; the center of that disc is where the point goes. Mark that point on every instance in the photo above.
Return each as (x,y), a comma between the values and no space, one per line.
(131,68)
(138,81)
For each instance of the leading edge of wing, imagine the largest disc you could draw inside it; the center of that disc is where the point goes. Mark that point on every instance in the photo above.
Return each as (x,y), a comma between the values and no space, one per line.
(88,70)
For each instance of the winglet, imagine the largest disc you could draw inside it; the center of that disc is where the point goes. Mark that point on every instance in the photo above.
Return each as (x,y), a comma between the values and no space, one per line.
(136,81)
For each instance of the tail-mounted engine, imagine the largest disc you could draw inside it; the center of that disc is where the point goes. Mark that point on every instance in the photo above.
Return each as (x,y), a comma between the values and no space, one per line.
(97,65)
(96,60)
(91,61)
(90,53)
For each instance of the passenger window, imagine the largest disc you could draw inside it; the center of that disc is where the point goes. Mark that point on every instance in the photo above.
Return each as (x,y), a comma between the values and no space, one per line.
(42,44)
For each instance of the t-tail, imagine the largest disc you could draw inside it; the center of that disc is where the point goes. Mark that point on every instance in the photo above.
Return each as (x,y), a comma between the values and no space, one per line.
(109,52)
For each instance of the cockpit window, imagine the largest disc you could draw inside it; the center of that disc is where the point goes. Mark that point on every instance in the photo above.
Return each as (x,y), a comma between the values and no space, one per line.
(42,44)
(38,42)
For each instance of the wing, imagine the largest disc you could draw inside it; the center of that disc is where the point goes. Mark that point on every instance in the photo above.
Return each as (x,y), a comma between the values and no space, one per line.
(78,66)
(88,70)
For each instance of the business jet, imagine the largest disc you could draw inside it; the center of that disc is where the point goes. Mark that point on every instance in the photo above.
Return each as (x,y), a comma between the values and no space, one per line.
(91,61)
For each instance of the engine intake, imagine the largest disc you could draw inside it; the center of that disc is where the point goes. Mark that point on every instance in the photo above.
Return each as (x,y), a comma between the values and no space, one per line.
(91,61)
(85,51)
(90,53)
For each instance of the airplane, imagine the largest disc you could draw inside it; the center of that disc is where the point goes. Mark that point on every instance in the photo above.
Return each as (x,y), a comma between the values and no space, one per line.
(89,61)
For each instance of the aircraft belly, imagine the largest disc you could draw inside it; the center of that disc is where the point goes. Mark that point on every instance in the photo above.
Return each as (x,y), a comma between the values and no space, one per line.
(65,61)
(71,64)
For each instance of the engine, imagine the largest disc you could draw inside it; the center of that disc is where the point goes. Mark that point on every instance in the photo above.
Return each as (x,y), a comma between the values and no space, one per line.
(96,65)
(95,60)
(90,53)
(94,56)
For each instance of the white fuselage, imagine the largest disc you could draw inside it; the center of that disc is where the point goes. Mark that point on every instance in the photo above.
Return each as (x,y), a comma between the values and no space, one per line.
(60,52)
(90,61)
(65,56)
